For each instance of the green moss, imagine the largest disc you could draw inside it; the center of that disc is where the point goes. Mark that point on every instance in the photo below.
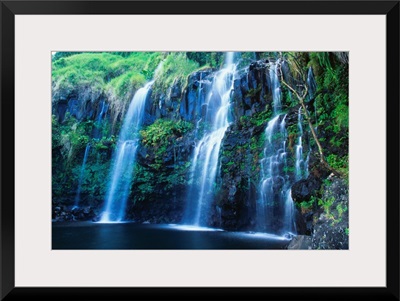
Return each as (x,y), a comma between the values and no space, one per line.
(306,206)
(69,141)
(161,138)
(326,204)
(341,209)
(253,92)
(163,130)
(103,72)
(162,134)
(339,163)
(175,69)
(114,76)
(210,59)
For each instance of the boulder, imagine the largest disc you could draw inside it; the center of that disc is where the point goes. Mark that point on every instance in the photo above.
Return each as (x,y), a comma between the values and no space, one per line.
(303,190)
(300,242)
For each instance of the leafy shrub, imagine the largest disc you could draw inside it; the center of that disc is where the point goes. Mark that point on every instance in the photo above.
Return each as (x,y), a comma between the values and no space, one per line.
(175,68)
(163,130)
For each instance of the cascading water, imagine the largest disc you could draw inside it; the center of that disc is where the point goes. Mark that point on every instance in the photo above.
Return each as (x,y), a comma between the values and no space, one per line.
(206,153)
(81,176)
(104,107)
(300,165)
(312,88)
(274,207)
(275,87)
(198,97)
(311,83)
(299,148)
(124,160)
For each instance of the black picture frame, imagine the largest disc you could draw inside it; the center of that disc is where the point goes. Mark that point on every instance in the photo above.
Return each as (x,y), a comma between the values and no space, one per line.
(9,9)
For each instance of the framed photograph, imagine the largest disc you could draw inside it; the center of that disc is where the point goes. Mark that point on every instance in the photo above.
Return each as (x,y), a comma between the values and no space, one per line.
(235,150)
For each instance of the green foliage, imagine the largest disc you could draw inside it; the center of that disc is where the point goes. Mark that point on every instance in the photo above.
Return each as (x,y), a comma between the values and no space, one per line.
(327,182)
(335,141)
(96,73)
(339,163)
(292,129)
(69,141)
(162,134)
(341,115)
(124,84)
(145,181)
(98,172)
(287,98)
(211,59)
(257,119)
(91,75)
(261,117)
(248,56)
(57,55)
(104,143)
(178,177)
(71,136)
(289,169)
(332,107)
(298,65)
(325,62)
(175,69)
(326,205)
(161,138)
(257,143)
(341,209)
(306,206)
(217,59)
(253,92)
(332,91)
(163,131)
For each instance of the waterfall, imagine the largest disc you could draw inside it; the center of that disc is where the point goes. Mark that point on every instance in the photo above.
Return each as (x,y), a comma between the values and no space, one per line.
(81,176)
(299,148)
(199,97)
(300,165)
(311,83)
(274,207)
(312,88)
(275,86)
(205,158)
(104,107)
(124,159)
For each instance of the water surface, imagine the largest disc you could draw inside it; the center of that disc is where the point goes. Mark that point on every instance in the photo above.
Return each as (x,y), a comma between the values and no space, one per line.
(89,235)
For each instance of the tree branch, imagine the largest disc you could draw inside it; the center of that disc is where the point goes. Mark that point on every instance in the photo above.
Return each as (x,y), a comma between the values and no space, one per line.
(314,134)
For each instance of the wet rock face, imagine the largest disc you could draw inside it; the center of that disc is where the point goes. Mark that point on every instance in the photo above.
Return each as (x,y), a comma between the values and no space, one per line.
(252,91)
(156,211)
(237,194)
(331,227)
(327,222)
(303,190)
(67,213)
(165,201)
(300,242)
(194,98)
(78,108)
(149,115)
(304,222)
(327,237)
